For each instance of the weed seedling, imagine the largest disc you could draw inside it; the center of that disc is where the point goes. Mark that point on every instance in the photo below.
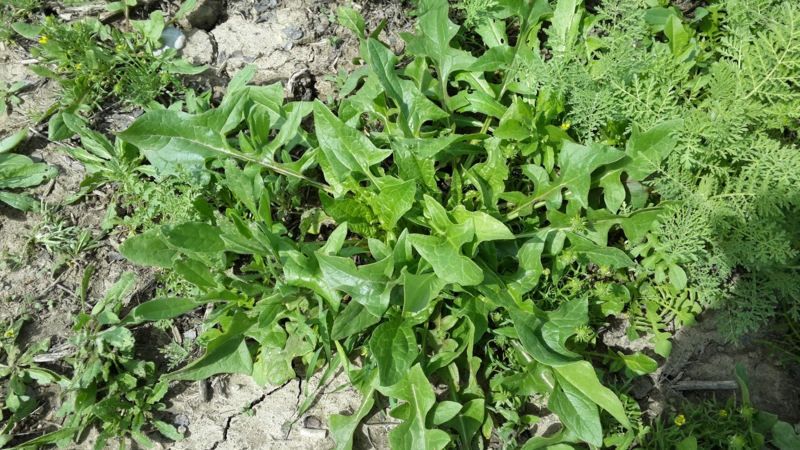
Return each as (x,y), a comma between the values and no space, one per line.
(21,371)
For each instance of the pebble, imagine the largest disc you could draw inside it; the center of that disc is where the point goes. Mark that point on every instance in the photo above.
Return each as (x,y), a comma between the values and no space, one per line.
(190,335)
(312,422)
(287,46)
(312,433)
(293,32)
(172,38)
(181,421)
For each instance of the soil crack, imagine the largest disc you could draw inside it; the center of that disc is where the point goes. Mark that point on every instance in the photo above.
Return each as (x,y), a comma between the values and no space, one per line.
(253,404)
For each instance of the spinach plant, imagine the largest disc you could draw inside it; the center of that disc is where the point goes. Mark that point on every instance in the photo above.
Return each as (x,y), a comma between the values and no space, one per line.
(434,235)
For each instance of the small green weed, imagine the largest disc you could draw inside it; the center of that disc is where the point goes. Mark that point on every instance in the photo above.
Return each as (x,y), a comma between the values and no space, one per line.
(731,426)
(64,242)
(95,63)
(7,94)
(21,371)
(110,387)
(12,11)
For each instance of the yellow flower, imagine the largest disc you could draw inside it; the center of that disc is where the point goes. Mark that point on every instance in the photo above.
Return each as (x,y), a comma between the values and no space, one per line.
(680,420)
(77,66)
(43,40)
(9,333)
(723,413)
(119,47)
(565,126)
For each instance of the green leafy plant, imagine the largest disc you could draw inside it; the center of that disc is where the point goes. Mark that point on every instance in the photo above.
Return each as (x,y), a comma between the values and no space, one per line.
(429,268)
(109,387)
(94,63)
(12,11)
(64,242)
(7,94)
(19,171)
(21,370)
(472,216)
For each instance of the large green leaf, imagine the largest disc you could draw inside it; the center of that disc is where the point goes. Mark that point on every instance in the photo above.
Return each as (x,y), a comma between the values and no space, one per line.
(346,148)
(415,107)
(447,261)
(543,334)
(602,256)
(395,347)
(148,249)
(369,284)
(412,434)
(172,139)
(159,309)
(168,138)
(419,290)
(226,354)
(434,41)
(194,237)
(395,199)
(577,412)
(643,155)
(576,163)
(565,25)
(18,171)
(469,420)
(353,319)
(12,141)
(582,377)
(343,427)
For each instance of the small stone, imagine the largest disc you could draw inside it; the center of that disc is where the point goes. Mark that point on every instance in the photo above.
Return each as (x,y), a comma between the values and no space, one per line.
(312,433)
(114,256)
(293,32)
(287,46)
(199,48)
(190,335)
(171,37)
(181,421)
(312,422)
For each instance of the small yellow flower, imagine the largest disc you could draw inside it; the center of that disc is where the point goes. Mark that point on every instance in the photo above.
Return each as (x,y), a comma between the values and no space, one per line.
(723,413)
(77,66)
(43,40)
(9,333)
(680,420)
(565,126)
(119,47)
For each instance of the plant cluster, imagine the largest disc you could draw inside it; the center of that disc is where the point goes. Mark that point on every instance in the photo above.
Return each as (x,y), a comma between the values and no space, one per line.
(731,426)
(12,11)
(7,94)
(472,214)
(21,371)
(109,387)
(96,63)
